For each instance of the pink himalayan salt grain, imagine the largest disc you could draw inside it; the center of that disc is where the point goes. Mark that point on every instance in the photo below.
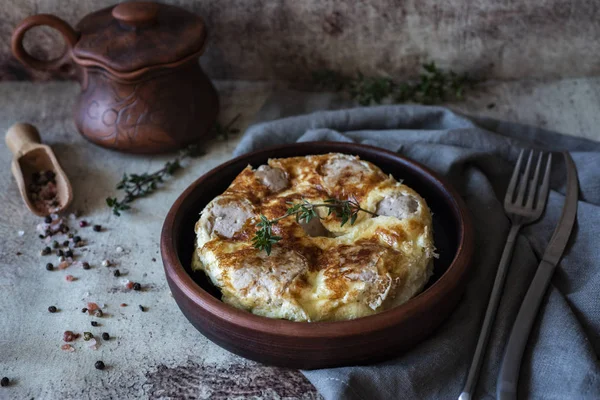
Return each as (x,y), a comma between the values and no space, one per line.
(92,306)
(123,305)
(129,285)
(93,344)
(67,347)
(63,265)
(70,278)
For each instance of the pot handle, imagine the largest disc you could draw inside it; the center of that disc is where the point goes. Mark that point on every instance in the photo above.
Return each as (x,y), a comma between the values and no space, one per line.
(69,34)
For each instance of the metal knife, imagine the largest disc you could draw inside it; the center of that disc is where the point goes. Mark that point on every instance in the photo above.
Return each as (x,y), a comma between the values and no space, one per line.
(511,364)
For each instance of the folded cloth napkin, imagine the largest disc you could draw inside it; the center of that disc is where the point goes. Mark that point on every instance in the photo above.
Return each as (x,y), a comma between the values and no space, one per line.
(477,157)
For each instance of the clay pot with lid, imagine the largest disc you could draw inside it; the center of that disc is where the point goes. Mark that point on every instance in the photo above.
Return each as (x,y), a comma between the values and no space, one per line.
(142,88)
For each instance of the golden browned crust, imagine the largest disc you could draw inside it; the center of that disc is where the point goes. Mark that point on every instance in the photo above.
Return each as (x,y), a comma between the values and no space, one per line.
(355,270)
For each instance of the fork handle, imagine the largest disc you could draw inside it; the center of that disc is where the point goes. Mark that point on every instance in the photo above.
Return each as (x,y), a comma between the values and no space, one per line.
(511,364)
(490,314)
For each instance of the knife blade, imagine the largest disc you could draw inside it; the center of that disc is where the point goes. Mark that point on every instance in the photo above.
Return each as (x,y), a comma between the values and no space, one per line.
(511,363)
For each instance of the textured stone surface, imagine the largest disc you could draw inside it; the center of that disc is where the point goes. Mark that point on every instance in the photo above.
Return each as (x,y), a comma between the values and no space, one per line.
(157,354)
(262,39)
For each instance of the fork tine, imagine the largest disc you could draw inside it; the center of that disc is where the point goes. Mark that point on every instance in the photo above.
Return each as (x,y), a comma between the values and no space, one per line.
(524,180)
(543,194)
(510,192)
(534,183)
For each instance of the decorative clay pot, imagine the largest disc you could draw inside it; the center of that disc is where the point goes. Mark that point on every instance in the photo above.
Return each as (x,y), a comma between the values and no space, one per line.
(142,89)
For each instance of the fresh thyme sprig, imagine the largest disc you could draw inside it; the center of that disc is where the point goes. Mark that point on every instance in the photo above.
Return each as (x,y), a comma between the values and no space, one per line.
(305,211)
(434,86)
(136,186)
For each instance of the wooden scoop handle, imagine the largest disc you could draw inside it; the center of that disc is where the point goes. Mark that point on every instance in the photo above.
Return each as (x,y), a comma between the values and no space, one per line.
(22,137)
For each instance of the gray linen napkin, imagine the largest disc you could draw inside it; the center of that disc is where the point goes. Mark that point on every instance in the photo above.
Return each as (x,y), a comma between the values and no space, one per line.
(561,361)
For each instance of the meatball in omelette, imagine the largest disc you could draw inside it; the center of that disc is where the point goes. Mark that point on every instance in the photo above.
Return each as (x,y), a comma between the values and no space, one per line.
(322,270)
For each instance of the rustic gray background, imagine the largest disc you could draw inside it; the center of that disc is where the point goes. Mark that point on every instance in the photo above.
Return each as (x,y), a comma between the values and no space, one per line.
(287,39)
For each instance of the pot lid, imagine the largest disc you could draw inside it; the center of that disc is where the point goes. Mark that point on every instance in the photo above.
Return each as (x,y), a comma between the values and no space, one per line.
(135,35)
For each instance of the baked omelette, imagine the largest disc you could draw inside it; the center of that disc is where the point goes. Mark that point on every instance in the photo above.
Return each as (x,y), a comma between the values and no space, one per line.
(321,270)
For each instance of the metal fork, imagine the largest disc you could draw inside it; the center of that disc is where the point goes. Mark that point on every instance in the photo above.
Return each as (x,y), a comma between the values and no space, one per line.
(521,211)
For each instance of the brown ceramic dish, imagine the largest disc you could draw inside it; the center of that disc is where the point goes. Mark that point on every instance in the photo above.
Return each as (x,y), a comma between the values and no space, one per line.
(320,344)
(142,89)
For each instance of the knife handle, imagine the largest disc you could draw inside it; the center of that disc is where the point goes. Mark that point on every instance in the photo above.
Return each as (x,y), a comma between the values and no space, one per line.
(513,354)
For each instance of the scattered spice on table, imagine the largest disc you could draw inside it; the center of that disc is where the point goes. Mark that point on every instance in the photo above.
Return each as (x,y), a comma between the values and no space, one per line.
(94,323)
(106,263)
(69,253)
(98,313)
(87,336)
(93,344)
(117,273)
(92,306)
(46,250)
(83,223)
(137,286)
(4,382)
(55,244)
(70,278)
(85,265)
(123,304)
(105,336)
(69,336)
(97,228)
(52,309)
(153,259)
(142,309)
(67,347)
(99,365)
(49,267)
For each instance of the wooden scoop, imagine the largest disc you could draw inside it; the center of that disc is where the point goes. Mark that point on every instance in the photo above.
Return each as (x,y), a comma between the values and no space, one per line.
(30,156)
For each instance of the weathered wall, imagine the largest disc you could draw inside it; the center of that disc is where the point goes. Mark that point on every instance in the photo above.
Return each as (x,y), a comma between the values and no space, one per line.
(286,39)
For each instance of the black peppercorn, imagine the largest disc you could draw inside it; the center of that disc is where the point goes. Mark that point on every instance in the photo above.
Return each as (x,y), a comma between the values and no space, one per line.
(4,381)
(137,286)
(99,365)
(86,265)
(105,336)
(99,313)
(60,253)
(94,323)
(117,273)
(46,250)
(49,267)
(84,310)
(76,239)
(70,236)
(69,253)
(52,309)
(141,307)
(97,228)
(41,236)
(66,243)
(48,219)
(55,244)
